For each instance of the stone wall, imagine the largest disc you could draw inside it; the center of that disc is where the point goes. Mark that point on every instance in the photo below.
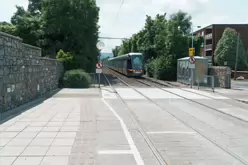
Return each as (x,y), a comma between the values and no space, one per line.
(222,76)
(24,74)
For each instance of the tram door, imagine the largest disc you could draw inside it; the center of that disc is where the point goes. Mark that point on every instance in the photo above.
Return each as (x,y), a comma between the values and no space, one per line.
(129,67)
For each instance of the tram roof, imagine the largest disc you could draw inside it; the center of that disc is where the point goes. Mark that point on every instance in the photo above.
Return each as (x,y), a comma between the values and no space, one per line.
(125,56)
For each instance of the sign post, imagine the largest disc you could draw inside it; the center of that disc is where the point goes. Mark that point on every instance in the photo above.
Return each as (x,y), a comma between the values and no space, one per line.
(99,67)
(100,45)
(191,66)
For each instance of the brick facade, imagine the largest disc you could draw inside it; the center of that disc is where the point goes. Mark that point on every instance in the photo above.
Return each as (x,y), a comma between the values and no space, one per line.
(216,31)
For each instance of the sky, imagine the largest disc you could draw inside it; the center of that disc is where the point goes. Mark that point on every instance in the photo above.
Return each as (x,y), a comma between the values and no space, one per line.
(122,21)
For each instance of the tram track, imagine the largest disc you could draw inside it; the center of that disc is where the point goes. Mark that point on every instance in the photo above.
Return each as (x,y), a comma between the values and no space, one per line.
(134,118)
(213,141)
(161,86)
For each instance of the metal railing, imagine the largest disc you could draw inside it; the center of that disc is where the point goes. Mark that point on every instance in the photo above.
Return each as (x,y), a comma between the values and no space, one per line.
(209,36)
(95,80)
(228,81)
(209,47)
(208,82)
(184,76)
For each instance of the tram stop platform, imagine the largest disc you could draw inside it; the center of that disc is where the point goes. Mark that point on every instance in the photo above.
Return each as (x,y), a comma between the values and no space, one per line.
(95,127)
(73,127)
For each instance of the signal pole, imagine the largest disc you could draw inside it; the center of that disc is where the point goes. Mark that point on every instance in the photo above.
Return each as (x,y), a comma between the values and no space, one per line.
(237,54)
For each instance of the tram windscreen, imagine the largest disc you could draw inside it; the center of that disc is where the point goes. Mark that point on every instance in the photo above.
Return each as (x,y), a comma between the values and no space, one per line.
(137,62)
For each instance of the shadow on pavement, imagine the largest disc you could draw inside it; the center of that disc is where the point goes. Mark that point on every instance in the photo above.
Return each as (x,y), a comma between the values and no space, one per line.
(10,114)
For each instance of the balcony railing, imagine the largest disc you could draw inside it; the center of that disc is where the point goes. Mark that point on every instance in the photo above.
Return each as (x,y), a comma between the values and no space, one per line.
(209,59)
(209,47)
(209,36)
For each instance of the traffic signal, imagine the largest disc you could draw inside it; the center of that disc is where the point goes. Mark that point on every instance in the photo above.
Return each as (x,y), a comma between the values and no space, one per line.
(191,52)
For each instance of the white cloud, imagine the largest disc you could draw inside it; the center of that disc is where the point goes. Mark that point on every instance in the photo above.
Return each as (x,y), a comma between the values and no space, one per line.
(132,15)
(7,8)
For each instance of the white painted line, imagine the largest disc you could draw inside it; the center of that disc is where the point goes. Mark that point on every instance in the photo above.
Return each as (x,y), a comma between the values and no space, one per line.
(155,93)
(128,136)
(186,94)
(170,132)
(207,94)
(129,93)
(114,152)
(108,94)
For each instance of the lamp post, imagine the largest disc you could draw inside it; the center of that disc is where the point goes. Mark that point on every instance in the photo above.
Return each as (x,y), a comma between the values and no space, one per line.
(237,54)
(192,46)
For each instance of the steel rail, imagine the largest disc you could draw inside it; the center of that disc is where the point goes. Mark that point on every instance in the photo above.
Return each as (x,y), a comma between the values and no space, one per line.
(232,154)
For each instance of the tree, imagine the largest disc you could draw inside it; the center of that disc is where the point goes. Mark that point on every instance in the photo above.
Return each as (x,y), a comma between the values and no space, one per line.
(162,42)
(198,43)
(71,25)
(126,47)
(226,50)
(182,20)
(8,28)
(116,50)
(28,26)
(67,58)
(35,6)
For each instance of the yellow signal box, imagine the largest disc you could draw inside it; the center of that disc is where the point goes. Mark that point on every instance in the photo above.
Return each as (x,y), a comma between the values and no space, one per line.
(191,52)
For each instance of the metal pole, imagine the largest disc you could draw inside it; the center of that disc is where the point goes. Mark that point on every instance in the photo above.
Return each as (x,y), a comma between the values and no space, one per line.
(213,83)
(237,54)
(192,68)
(191,78)
(99,73)
(192,38)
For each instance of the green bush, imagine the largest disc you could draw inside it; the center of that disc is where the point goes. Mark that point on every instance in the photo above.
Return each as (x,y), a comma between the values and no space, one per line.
(149,68)
(76,79)
(163,68)
(67,58)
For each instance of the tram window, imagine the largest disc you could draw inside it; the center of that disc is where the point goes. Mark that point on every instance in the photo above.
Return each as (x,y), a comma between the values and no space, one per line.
(137,62)
(129,64)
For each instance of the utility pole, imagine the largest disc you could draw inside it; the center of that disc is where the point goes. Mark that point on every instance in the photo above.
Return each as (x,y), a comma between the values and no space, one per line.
(100,45)
(192,38)
(237,55)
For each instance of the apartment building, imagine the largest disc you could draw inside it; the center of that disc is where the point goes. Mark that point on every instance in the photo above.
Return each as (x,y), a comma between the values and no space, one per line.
(213,33)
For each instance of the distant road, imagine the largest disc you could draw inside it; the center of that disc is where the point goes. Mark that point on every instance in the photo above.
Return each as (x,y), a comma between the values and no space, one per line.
(240,84)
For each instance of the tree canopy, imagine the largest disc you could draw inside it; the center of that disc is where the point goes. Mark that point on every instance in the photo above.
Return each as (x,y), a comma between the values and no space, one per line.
(162,42)
(8,28)
(54,25)
(226,50)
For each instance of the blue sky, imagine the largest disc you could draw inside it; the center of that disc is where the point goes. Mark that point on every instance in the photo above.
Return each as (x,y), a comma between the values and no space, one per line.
(132,14)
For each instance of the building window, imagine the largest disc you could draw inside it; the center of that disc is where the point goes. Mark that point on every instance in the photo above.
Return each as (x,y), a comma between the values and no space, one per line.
(202,33)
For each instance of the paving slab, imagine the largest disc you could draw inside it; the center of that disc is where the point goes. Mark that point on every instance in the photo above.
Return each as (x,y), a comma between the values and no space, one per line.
(7,160)
(72,127)
(50,160)
(224,107)
(28,161)
(176,142)
(89,126)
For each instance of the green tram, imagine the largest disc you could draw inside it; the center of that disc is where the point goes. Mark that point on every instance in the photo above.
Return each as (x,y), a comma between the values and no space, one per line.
(130,64)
